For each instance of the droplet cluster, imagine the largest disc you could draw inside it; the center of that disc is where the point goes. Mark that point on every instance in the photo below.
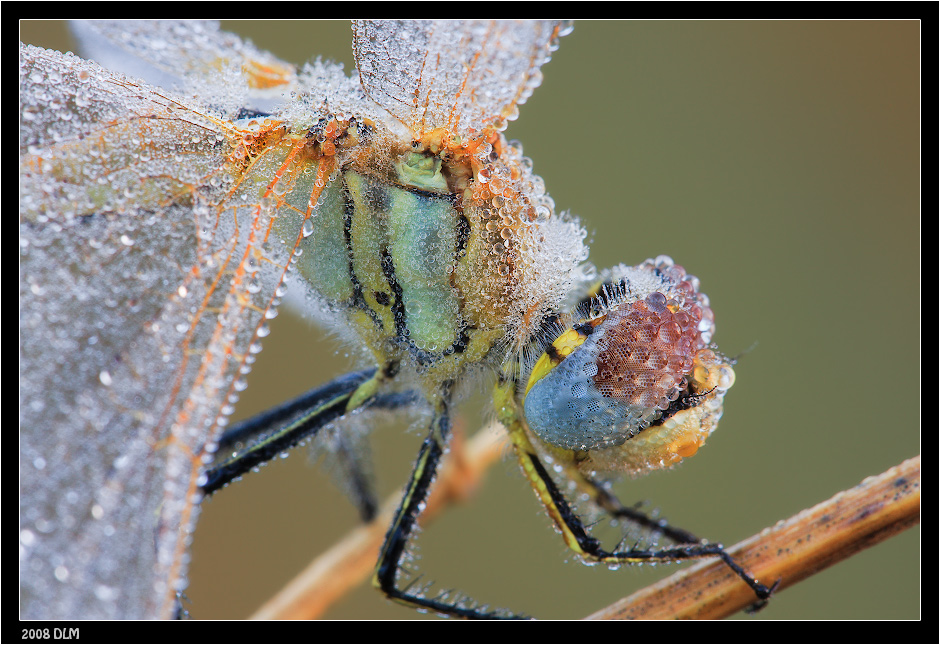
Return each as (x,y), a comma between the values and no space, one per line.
(645,355)
(503,73)
(135,276)
(507,198)
(527,251)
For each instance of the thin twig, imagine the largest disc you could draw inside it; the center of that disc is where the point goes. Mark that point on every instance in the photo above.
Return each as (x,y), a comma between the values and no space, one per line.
(790,551)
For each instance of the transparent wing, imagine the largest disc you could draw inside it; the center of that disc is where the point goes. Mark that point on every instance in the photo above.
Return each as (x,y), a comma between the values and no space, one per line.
(461,76)
(146,277)
(193,57)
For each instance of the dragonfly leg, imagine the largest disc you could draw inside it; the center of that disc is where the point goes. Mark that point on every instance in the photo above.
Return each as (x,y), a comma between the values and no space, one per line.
(387,570)
(611,505)
(572,528)
(252,442)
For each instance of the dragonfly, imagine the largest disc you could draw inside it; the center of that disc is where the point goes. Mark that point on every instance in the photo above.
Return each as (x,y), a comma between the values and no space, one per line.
(163,220)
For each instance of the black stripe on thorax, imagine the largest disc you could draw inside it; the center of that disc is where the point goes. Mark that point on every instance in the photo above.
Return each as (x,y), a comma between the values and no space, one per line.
(349,211)
(377,198)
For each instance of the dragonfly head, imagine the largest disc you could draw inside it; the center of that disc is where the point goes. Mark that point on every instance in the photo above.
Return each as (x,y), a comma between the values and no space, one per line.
(631,380)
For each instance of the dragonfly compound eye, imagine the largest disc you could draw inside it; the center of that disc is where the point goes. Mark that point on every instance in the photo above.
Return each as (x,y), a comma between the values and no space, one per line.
(637,372)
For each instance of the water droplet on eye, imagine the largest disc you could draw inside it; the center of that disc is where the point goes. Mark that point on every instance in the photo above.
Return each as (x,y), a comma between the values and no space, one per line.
(656,302)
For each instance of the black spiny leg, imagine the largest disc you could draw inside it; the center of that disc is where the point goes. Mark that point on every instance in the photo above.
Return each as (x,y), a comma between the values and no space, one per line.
(261,438)
(590,548)
(570,525)
(393,551)
(615,508)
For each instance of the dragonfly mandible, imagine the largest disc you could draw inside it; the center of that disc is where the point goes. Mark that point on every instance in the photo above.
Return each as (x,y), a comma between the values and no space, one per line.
(161,222)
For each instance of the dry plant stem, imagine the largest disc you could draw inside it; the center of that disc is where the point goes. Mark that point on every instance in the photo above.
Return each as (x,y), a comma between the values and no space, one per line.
(351,560)
(793,549)
(790,551)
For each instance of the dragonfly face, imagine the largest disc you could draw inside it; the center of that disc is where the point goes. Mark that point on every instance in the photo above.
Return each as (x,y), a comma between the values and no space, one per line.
(392,194)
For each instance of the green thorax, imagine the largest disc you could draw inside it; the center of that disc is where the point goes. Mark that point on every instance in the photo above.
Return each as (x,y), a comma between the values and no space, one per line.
(392,257)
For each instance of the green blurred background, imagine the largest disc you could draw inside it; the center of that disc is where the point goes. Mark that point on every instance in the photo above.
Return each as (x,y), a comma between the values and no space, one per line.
(779,162)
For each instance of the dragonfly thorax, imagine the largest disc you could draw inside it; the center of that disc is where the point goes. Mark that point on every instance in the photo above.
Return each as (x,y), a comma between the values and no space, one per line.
(434,251)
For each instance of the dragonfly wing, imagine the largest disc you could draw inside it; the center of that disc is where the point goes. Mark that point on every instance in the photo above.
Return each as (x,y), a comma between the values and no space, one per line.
(143,292)
(456,75)
(192,57)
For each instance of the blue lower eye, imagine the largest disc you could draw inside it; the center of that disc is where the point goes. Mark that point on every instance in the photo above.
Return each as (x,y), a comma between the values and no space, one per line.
(566,409)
